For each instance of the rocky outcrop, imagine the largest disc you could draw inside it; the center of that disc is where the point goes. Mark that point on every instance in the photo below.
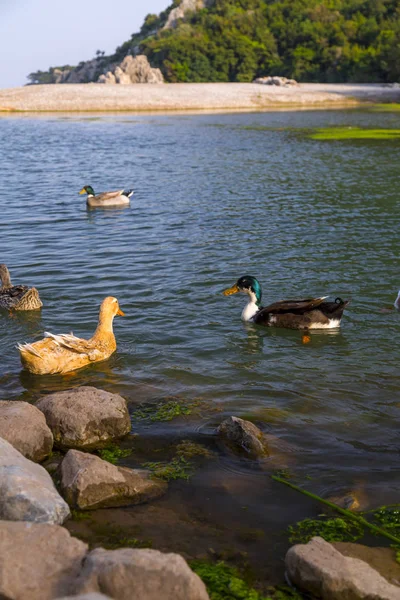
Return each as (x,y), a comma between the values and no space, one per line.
(27,492)
(24,426)
(321,570)
(133,69)
(180,11)
(130,574)
(88,482)
(241,434)
(85,417)
(38,562)
(281,81)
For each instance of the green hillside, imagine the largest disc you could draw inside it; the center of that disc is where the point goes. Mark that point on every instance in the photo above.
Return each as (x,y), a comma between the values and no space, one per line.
(308,40)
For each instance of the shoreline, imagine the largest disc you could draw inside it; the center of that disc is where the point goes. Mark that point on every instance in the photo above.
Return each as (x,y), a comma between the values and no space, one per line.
(190,97)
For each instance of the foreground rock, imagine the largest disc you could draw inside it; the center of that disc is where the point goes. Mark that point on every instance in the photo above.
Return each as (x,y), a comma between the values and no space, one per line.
(133,69)
(24,426)
(85,417)
(90,596)
(245,435)
(320,569)
(88,482)
(27,492)
(38,562)
(280,81)
(129,574)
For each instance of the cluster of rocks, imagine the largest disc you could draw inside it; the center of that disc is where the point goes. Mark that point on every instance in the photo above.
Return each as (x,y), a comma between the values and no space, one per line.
(180,11)
(132,69)
(40,560)
(275,80)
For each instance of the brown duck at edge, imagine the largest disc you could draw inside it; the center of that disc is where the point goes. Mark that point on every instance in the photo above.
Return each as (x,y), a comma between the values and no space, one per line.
(311,313)
(65,352)
(17,297)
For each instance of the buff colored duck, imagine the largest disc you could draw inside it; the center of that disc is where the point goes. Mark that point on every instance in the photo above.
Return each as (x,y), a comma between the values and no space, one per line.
(65,352)
(17,297)
(106,199)
(311,313)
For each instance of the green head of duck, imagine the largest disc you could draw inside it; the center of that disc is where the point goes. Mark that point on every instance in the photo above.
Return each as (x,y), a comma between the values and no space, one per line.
(248,285)
(87,189)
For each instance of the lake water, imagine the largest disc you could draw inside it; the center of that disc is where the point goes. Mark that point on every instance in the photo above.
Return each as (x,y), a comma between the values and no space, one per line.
(216,197)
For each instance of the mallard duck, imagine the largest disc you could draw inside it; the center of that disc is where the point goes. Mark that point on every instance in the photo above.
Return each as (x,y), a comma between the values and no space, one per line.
(312,313)
(17,297)
(65,352)
(119,198)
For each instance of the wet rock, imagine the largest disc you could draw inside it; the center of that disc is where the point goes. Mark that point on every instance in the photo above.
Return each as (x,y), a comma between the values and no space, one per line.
(130,574)
(85,417)
(133,69)
(38,562)
(27,492)
(24,426)
(320,569)
(350,500)
(244,434)
(382,560)
(88,482)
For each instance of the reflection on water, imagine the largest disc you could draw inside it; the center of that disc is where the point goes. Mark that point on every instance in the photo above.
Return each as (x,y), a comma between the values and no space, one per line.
(218,196)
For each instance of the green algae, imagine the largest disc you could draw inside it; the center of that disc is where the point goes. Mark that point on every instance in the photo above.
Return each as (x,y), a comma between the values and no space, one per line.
(388,107)
(188,449)
(354,133)
(331,530)
(224,582)
(113,537)
(80,515)
(177,468)
(163,411)
(113,453)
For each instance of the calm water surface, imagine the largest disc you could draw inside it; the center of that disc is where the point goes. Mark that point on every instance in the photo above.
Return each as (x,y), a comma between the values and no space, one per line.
(216,197)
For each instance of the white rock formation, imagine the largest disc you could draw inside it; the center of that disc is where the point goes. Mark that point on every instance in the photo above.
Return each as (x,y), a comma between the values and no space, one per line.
(133,69)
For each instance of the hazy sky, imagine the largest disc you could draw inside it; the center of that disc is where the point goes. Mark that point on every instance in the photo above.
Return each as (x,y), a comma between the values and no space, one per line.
(37,34)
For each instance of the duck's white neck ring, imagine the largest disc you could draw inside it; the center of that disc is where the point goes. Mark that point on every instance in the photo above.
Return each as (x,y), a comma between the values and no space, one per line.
(251,307)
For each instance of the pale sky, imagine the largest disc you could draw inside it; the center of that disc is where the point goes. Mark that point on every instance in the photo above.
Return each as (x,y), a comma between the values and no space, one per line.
(38,34)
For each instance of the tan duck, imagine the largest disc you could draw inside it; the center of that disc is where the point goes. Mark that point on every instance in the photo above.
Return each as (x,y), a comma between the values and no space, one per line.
(311,313)
(106,199)
(17,297)
(65,352)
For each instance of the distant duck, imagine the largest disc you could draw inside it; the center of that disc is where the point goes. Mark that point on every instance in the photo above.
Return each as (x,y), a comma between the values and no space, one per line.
(312,313)
(106,199)
(17,297)
(65,352)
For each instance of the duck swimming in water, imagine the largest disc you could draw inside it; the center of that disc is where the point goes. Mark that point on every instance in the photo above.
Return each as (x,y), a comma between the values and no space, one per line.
(65,352)
(312,313)
(17,297)
(106,199)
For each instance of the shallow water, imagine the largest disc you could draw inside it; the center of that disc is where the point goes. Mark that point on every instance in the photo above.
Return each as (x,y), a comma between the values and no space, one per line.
(216,197)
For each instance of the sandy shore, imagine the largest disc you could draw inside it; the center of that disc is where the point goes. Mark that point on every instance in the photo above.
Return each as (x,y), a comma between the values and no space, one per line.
(190,97)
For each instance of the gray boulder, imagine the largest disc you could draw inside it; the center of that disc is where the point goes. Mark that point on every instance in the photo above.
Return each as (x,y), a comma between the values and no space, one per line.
(318,568)
(38,562)
(24,426)
(85,417)
(245,435)
(130,574)
(27,492)
(88,482)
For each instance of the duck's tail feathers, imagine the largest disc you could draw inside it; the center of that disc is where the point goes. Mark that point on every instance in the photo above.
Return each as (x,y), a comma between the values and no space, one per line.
(28,348)
(127,193)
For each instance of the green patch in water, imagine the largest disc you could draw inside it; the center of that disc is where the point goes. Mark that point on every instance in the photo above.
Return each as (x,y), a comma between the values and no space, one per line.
(354,133)
(187,449)
(80,515)
(163,411)
(113,453)
(388,107)
(177,468)
(224,582)
(112,537)
(331,530)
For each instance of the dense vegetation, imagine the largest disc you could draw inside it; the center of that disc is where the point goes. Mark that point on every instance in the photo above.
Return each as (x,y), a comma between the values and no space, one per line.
(309,40)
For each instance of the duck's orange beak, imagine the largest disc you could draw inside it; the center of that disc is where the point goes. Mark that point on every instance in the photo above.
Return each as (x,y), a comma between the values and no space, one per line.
(83,191)
(232,290)
(120,313)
